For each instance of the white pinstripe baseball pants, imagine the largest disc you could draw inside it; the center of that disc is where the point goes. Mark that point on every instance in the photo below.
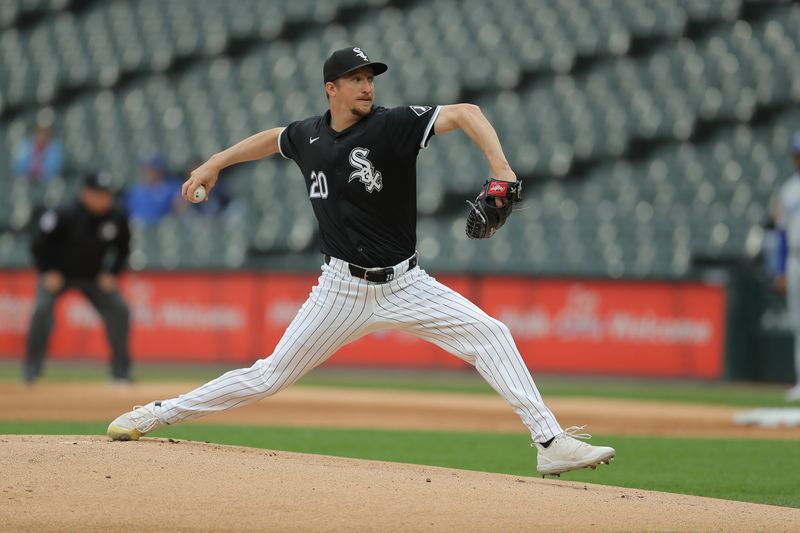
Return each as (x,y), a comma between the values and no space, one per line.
(342,308)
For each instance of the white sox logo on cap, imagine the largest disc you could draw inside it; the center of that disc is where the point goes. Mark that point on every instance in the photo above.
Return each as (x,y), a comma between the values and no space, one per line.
(347,60)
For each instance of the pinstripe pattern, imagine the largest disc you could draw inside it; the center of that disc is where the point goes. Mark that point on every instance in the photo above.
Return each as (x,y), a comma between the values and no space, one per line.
(434,312)
(335,313)
(341,308)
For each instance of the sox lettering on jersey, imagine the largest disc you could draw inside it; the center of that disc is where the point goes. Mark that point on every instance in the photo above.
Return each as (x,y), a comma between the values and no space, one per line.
(365,171)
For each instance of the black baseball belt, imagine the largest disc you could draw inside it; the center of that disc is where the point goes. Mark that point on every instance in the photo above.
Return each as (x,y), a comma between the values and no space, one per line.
(376,275)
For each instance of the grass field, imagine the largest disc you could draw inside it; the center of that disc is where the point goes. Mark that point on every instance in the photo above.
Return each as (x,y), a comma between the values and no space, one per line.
(762,471)
(736,469)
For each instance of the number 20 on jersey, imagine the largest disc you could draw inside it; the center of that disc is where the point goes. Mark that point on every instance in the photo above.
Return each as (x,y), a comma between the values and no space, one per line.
(319,185)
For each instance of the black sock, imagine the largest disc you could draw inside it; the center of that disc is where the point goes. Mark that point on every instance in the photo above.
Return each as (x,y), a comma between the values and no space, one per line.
(547,444)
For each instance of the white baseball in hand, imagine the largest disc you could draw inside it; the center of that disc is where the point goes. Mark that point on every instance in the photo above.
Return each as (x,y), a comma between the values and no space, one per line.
(199,194)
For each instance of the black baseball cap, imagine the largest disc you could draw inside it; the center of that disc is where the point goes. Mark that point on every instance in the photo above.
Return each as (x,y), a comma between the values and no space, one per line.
(347,60)
(99,181)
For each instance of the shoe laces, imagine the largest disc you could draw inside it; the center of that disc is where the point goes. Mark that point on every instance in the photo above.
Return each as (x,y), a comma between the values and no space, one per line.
(144,418)
(572,431)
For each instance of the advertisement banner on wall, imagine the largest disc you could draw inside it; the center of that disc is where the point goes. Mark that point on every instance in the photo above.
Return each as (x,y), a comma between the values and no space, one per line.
(187,316)
(618,327)
(615,327)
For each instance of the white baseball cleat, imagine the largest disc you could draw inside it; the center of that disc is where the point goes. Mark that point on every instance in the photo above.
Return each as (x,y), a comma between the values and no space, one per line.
(567,453)
(134,424)
(793,394)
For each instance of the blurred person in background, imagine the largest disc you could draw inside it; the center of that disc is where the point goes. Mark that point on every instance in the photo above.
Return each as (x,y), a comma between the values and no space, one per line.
(788,264)
(82,245)
(40,156)
(155,194)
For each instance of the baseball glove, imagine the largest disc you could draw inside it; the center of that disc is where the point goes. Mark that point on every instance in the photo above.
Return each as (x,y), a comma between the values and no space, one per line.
(492,207)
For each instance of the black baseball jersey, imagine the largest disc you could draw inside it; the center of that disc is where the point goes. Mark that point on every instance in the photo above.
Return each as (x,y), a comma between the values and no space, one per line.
(77,243)
(362,181)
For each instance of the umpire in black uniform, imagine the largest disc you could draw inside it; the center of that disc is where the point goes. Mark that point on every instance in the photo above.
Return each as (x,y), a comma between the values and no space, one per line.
(82,245)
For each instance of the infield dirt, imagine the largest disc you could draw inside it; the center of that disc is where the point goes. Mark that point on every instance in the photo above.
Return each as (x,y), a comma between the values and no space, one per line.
(82,483)
(387,409)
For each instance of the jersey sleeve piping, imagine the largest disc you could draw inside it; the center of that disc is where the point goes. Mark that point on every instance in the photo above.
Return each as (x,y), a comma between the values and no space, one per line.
(426,137)
(280,135)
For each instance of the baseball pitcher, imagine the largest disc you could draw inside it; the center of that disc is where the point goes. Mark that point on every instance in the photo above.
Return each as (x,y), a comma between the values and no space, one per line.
(359,166)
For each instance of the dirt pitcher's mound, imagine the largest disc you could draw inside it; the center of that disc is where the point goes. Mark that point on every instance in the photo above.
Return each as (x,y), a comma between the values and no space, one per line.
(67,483)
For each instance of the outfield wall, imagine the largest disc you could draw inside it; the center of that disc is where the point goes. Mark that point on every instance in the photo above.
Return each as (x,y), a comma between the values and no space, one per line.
(586,326)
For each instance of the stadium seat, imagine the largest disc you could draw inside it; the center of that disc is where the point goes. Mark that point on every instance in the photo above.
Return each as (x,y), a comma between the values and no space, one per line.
(635,156)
